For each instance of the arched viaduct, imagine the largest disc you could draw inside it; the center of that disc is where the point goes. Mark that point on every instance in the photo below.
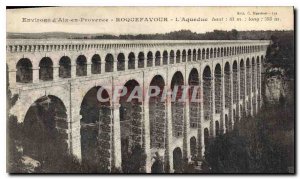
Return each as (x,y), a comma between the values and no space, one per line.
(228,73)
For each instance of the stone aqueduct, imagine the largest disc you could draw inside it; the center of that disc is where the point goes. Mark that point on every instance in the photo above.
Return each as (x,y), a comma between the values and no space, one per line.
(228,72)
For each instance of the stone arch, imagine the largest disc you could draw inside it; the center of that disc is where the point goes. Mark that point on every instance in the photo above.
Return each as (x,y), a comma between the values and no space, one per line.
(165,57)
(207,53)
(258,74)
(235,116)
(235,82)
(242,79)
(253,61)
(193,147)
(218,52)
(178,56)
(189,55)
(65,67)
(81,66)
(157,115)
(183,55)
(227,67)
(203,54)
(227,51)
(206,137)
(109,63)
(215,52)
(24,71)
(227,84)
(226,123)
(149,59)
(218,88)
(234,65)
(46,69)
(257,60)
(131,61)
(157,58)
(194,55)
(199,54)
(132,132)
(177,160)
(177,105)
(172,56)
(254,85)
(207,93)
(222,50)
(217,126)
(141,60)
(45,129)
(121,62)
(248,81)
(211,53)
(157,166)
(194,96)
(96,64)
(95,129)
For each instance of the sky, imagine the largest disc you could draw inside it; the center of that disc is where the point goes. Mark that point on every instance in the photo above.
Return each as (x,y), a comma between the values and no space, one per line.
(103,20)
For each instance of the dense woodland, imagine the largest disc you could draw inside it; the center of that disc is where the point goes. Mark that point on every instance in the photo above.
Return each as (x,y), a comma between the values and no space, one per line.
(260,144)
(281,54)
(175,35)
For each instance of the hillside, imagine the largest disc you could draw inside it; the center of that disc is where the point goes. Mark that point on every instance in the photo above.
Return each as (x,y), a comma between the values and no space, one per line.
(175,35)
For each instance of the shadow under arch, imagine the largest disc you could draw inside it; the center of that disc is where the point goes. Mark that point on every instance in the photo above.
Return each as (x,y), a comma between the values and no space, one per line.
(132,130)
(24,71)
(95,131)
(177,160)
(45,130)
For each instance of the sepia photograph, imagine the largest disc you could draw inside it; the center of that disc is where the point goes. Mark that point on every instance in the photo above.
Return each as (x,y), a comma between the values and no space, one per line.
(150,90)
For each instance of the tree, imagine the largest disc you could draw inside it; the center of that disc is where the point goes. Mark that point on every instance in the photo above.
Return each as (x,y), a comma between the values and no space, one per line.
(14,133)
